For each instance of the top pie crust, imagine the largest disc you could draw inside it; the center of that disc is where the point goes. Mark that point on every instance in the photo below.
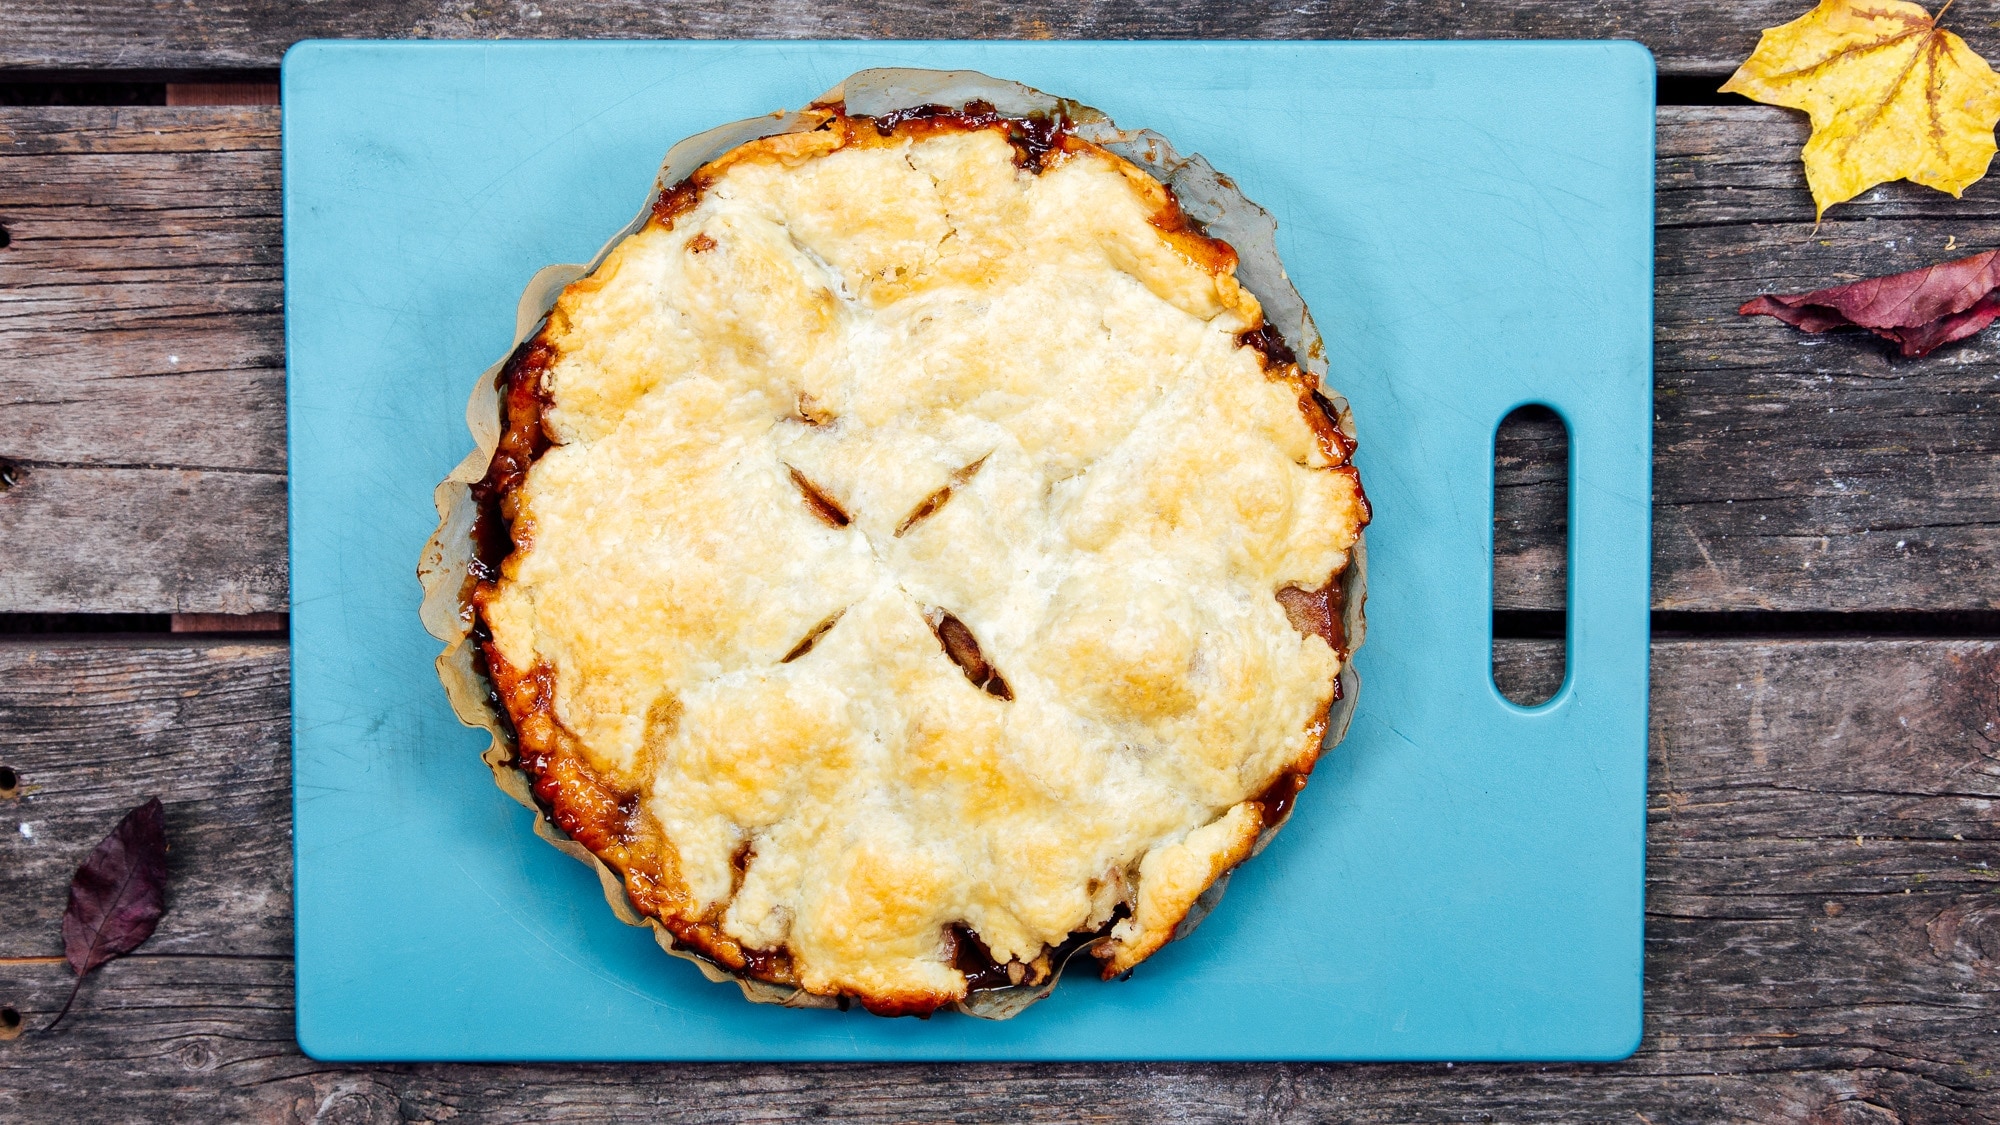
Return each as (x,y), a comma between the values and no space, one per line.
(920,554)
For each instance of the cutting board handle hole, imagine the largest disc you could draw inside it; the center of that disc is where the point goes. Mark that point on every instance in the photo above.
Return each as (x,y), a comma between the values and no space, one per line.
(1531,469)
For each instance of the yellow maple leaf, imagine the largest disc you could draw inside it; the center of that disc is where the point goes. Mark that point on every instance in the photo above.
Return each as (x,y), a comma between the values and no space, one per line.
(1892,96)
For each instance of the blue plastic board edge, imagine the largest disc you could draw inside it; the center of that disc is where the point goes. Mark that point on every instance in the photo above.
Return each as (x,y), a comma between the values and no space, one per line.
(1471,224)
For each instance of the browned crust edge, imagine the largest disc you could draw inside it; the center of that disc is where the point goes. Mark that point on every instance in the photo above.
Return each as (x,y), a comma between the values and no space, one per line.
(611,823)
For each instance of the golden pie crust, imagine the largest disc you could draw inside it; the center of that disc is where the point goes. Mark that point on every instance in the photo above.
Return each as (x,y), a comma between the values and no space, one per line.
(910,557)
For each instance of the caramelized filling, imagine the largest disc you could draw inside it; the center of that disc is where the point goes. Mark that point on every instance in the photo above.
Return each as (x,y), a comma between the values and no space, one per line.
(971,957)
(1318,612)
(1267,342)
(524,439)
(812,638)
(924,510)
(1033,138)
(963,649)
(676,201)
(822,505)
(1277,798)
(930,504)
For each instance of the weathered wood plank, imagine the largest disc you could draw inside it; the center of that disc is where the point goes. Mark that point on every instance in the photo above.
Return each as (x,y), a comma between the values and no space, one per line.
(142,539)
(92,728)
(141,292)
(1791,474)
(213,35)
(1823,933)
(1799,472)
(1739,164)
(141,311)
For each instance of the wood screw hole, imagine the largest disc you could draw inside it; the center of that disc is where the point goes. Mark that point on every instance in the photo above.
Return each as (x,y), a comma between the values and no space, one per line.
(6,238)
(10,1023)
(10,782)
(10,474)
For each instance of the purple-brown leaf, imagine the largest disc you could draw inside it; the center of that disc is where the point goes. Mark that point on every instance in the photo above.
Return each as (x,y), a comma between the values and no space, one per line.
(117,896)
(1920,310)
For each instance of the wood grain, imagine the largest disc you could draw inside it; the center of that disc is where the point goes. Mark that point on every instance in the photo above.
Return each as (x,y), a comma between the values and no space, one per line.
(1823,924)
(142,539)
(1792,473)
(212,35)
(1811,472)
(141,311)
(141,292)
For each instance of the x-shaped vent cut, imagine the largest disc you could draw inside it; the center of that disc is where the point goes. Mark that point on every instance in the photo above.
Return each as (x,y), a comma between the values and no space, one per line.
(954,636)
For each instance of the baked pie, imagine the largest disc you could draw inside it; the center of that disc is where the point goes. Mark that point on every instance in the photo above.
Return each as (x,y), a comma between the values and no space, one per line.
(910,558)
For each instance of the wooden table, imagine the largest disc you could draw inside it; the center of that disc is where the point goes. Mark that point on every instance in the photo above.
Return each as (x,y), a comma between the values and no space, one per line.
(1823,901)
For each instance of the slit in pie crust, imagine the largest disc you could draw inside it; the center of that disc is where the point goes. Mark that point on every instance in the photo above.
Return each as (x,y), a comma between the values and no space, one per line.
(910,558)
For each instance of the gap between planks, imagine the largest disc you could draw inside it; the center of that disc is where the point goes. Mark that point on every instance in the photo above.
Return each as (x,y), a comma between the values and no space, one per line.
(222,93)
(228,623)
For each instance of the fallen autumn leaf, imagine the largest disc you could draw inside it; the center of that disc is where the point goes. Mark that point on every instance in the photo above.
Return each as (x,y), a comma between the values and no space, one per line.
(117,897)
(1892,96)
(1920,310)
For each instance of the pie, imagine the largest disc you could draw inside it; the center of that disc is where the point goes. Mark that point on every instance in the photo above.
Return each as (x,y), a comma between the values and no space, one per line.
(910,558)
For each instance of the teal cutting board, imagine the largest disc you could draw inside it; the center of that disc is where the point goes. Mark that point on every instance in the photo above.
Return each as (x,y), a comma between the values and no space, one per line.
(1471,223)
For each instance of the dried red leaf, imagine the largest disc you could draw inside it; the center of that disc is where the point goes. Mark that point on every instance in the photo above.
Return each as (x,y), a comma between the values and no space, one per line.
(117,897)
(1920,310)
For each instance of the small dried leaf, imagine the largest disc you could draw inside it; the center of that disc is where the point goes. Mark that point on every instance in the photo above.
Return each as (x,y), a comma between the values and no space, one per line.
(1892,96)
(117,897)
(1920,310)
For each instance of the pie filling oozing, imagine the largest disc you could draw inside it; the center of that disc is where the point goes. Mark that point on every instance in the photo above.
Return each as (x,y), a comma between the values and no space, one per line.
(909,557)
